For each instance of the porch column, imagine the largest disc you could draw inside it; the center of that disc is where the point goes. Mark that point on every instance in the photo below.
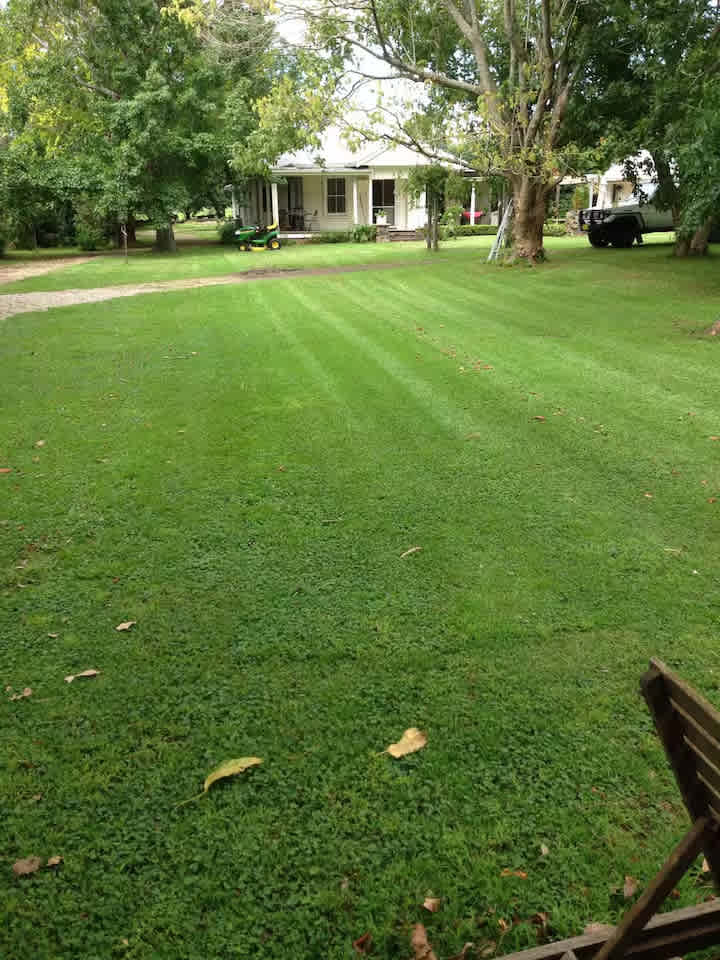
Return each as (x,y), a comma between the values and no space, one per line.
(472,203)
(275,204)
(370,212)
(355,200)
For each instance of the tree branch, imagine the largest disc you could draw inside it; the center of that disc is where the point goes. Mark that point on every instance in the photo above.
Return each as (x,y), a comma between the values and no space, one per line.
(471,32)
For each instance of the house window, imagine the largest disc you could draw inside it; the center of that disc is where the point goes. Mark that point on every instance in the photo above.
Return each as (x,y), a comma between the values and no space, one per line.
(617,193)
(336,195)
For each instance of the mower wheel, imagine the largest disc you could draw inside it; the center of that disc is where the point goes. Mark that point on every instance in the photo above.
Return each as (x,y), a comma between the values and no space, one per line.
(273,244)
(243,247)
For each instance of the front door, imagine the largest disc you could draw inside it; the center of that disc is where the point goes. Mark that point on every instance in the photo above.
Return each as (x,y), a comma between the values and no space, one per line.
(295,203)
(384,200)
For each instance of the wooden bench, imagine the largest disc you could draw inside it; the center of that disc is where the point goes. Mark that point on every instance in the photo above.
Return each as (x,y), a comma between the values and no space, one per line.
(689,728)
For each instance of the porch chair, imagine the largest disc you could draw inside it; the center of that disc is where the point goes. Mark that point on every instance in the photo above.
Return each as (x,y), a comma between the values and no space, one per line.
(689,729)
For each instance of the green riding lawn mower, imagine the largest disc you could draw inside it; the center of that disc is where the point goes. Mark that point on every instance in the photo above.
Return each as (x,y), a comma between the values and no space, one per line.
(258,238)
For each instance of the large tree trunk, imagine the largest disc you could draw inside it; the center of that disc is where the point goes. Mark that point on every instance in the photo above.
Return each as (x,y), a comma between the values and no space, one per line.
(699,242)
(529,204)
(689,244)
(165,239)
(132,239)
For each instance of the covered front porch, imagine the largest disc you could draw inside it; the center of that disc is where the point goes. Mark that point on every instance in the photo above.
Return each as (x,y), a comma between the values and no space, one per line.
(309,202)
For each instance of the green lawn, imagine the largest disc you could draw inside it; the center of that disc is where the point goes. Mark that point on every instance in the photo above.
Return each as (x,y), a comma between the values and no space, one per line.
(239,469)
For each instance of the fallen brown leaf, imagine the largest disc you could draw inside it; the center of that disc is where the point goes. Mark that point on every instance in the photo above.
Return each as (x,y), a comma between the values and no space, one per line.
(507,872)
(432,904)
(39,443)
(5,469)
(541,921)
(630,887)
(649,496)
(712,499)
(27,692)
(54,861)
(85,675)
(126,624)
(463,952)
(705,866)
(363,944)
(420,944)
(715,438)
(29,865)
(53,636)
(37,797)
(540,418)
(411,741)
(411,550)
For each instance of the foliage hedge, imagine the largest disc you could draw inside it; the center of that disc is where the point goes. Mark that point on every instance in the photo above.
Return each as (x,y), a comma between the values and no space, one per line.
(226,231)
(476,230)
(487,229)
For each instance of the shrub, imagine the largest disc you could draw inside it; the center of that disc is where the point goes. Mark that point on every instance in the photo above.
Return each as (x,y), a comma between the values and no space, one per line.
(89,236)
(476,230)
(89,227)
(335,236)
(226,231)
(450,223)
(554,230)
(365,233)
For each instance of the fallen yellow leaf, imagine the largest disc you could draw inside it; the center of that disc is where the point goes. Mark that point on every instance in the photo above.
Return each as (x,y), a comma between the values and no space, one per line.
(126,624)
(228,769)
(412,740)
(432,904)
(54,861)
(408,552)
(27,692)
(85,675)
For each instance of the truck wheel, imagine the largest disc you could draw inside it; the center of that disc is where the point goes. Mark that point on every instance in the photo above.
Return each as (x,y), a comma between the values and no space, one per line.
(623,235)
(598,239)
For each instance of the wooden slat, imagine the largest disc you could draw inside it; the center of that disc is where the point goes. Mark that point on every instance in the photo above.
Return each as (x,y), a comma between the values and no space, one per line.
(671,729)
(709,774)
(651,899)
(668,935)
(700,709)
(698,734)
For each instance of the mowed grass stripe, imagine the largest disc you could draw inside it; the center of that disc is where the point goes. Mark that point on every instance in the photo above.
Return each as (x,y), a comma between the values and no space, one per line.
(515,638)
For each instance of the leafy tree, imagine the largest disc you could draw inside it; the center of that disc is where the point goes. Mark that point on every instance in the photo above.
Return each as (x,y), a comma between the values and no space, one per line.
(498,77)
(647,79)
(134,89)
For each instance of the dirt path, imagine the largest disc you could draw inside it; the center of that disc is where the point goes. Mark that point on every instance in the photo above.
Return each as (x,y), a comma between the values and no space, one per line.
(12,303)
(10,272)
